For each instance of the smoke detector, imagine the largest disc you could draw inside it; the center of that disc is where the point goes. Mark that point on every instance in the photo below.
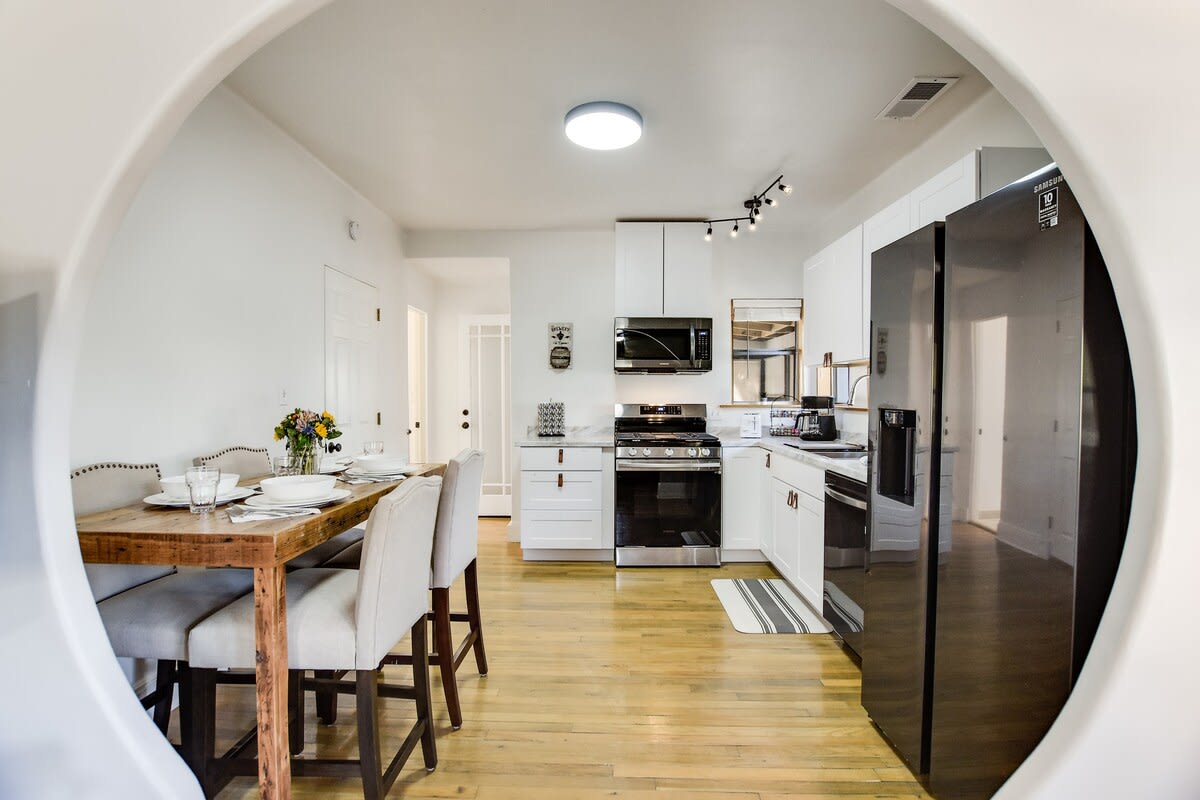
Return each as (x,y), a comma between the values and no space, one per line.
(916,97)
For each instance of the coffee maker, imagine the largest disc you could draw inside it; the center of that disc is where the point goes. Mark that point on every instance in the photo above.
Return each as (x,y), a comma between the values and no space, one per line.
(815,420)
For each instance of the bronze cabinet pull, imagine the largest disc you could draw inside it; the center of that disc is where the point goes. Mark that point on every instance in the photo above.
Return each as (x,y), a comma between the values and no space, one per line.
(560,455)
(560,480)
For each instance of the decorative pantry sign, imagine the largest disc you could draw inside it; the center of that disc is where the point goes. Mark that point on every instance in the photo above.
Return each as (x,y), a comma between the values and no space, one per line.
(560,344)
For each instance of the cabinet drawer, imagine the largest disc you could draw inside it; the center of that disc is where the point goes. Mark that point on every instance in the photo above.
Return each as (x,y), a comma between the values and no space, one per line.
(805,477)
(561,529)
(560,458)
(580,491)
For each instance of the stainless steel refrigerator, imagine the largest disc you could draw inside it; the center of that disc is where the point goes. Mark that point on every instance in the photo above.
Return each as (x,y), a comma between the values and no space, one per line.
(1002,447)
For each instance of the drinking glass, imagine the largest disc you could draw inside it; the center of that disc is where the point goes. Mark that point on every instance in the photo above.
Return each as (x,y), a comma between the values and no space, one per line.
(202,483)
(286,465)
(372,448)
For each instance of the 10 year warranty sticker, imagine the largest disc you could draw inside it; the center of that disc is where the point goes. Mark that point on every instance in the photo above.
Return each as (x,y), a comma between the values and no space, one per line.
(1048,208)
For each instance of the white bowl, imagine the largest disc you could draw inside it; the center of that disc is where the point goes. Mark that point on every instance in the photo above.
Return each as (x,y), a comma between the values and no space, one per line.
(380,463)
(175,486)
(293,488)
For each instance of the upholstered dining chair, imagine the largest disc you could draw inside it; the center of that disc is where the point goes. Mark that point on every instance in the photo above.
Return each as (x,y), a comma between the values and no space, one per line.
(338,620)
(147,611)
(455,553)
(251,461)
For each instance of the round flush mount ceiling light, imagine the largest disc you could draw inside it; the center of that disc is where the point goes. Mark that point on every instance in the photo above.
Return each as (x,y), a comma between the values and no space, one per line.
(603,125)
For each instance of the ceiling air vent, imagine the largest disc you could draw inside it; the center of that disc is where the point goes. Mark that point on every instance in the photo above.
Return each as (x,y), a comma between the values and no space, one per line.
(916,97)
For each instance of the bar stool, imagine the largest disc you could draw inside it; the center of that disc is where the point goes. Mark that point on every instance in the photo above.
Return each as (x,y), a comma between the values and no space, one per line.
(147,611)
(249,461)
(337,621)
(455,553)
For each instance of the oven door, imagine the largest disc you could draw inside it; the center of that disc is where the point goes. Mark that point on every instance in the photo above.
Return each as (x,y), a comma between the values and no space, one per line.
(668,513)
(845,557)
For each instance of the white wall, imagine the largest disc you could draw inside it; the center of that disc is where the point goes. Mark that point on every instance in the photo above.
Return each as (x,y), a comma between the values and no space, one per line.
(211,299)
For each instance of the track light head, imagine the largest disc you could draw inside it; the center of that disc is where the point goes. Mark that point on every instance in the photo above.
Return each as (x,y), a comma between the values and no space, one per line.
(783,187)
(753,225)
(708,234)
(770,201)
(733,233)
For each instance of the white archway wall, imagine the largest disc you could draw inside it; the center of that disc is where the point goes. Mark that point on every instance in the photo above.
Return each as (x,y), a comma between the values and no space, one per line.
(72,153)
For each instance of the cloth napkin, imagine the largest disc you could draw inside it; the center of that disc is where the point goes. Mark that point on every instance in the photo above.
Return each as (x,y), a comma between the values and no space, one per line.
(248,514)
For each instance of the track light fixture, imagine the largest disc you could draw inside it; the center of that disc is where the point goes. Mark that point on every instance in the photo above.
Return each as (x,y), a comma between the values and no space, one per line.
(753,208)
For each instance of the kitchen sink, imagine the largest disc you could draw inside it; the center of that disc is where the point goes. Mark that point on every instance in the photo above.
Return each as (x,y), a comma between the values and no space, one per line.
(830,452)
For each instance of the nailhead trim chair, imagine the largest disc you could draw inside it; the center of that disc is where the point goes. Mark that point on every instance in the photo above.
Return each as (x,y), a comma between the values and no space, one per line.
(337,620)
(455,551)
(147,611)
(250,461)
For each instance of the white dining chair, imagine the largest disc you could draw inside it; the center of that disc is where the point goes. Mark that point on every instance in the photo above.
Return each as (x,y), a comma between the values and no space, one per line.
(251,461)
(455,553)
(147,611)
(337,621)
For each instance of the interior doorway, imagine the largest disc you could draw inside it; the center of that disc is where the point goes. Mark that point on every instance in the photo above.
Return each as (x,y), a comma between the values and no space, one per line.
(483,420)
(418,385)
(990,337)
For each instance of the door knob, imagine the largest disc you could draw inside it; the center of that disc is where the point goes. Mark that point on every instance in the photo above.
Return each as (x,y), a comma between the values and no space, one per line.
(466,412)
(466,425)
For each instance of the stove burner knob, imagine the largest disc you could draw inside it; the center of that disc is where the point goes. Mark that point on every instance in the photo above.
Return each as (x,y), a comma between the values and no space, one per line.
(645,451)
(632,451)
(704,451)
(668,452)
(692,452)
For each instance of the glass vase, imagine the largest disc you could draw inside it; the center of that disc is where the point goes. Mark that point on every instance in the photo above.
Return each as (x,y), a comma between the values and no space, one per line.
(304,458)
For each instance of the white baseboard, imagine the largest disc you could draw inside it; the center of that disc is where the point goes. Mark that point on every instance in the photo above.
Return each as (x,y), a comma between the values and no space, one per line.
(742,556)
(1031,542)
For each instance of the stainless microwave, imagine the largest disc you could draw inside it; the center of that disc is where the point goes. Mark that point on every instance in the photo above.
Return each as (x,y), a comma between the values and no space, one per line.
(644,345)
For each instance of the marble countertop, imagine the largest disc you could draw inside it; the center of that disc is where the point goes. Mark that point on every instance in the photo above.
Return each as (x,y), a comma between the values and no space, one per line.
(602,436)
(574,436)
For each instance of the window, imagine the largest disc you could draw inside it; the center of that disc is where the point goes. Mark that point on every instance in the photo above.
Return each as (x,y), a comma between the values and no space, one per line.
(767,337)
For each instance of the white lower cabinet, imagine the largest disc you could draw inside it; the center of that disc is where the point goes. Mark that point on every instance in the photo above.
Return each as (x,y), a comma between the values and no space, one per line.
(795,534)
(743,476)
(562,498)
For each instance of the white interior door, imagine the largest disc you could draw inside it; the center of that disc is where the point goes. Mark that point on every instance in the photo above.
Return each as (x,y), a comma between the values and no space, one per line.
(418,385)
(351,358)
(482,416)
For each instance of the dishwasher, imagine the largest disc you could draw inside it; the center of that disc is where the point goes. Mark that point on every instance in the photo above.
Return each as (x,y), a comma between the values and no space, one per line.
(845,578)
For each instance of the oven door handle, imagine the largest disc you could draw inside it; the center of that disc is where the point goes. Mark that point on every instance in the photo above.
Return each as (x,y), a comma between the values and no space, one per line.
(664,465)
(853,502)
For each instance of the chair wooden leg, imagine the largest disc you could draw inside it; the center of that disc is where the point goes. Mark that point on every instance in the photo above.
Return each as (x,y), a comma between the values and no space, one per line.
(370,759)
(163,686)
(296,711)
(197,721)
(474,620)
(420,653)
(327,698)
(444,645)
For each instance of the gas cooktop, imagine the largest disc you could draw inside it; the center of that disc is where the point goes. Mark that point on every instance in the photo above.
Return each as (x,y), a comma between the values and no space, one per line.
(661,437)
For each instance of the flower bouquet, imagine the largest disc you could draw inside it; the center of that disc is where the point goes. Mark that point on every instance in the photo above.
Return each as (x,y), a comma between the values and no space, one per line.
(300,431)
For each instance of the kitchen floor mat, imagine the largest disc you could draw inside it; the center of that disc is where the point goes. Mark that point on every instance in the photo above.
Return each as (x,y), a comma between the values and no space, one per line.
(755,605)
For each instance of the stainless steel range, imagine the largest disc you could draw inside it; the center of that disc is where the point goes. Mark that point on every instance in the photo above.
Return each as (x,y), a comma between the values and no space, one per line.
(668,487)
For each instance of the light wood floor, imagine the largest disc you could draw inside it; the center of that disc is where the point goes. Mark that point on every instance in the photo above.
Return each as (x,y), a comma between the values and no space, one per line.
(622,683)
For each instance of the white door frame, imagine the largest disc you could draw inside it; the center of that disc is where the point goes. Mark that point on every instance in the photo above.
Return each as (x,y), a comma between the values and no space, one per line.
(418,411)
(361,421)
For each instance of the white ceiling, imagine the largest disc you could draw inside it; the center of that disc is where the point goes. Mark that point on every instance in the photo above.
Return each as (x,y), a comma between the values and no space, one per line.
(449,115)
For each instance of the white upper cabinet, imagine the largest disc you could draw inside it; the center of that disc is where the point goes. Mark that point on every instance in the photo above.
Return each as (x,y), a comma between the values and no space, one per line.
(663,269)
(833,305)
(953,188)
(879,231)
(639,272)
(687,271)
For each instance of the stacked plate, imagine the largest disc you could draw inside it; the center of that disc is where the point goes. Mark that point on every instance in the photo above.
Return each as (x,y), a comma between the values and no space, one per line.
(171,501)
(298,491)
(378,466)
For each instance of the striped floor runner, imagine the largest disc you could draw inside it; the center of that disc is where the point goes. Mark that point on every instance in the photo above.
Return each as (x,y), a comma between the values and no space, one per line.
(755,605)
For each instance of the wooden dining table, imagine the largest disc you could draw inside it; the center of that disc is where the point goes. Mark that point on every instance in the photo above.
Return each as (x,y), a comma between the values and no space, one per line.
(145,534)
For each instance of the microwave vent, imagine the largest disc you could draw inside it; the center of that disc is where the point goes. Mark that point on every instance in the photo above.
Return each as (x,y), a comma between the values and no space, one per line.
(916,97)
